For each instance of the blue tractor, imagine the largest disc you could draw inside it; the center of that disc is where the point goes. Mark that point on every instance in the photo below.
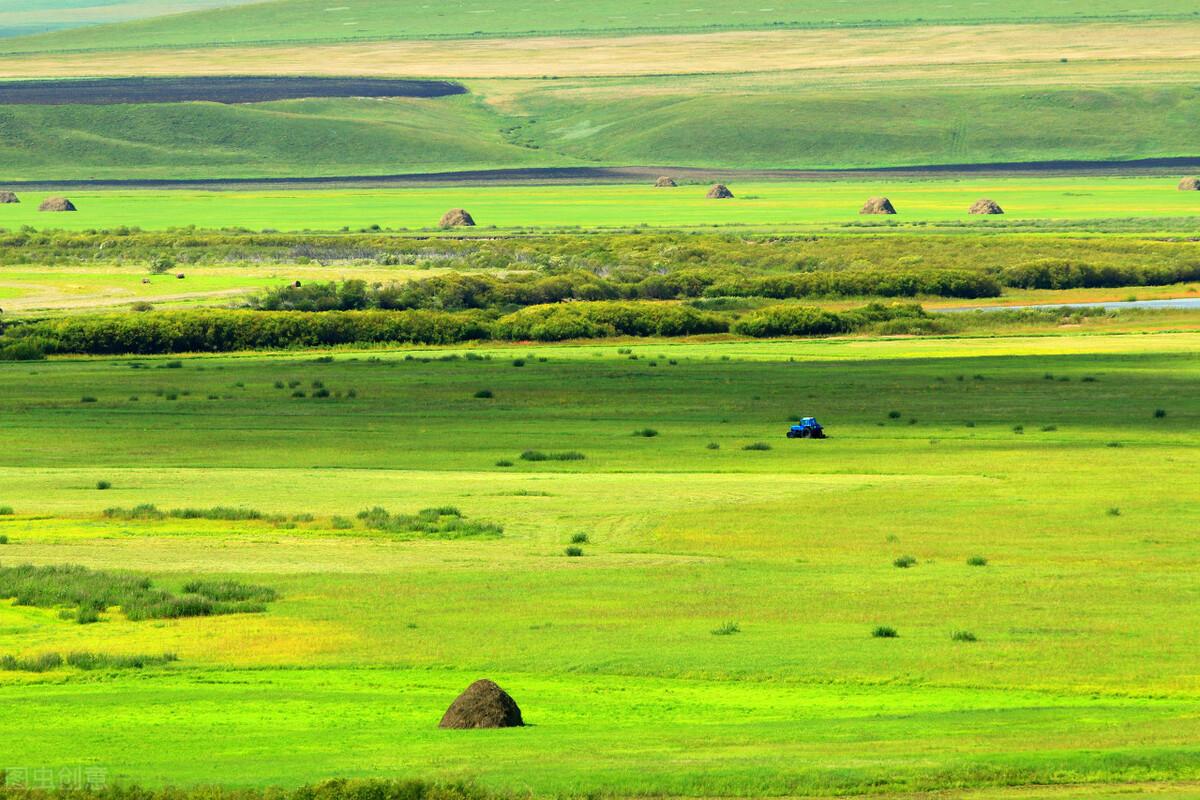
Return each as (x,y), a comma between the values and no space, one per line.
(808,428)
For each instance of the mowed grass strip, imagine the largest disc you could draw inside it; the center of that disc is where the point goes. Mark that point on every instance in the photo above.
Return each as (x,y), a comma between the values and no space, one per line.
(317,21)
(756,205)
(1002,47)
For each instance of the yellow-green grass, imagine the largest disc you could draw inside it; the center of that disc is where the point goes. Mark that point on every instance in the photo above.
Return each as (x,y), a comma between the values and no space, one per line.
(757,206)
(317,21)
(27,291)
(1083,670)
(1119,50)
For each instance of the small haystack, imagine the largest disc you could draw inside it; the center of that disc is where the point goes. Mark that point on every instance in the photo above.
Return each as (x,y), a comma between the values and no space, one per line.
(985,206)
(719,191)
(455,218)
(482,705)
(1189,185)
(56,204)
(878,205)
(665,182)
(9,197)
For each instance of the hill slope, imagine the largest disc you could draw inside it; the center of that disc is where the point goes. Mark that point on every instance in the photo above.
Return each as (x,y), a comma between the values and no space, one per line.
(301,137)
(321,20)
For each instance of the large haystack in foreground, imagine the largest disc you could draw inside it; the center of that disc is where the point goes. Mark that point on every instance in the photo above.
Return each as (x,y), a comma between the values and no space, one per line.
(1189,185)
(985,206)
(483,705)
(56,204)
(456,218)
(878,205)
(719,191)
(665,182)
(9,197)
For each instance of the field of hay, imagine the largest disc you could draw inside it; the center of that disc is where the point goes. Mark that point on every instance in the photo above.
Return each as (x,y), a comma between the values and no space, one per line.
(1043,455)
(1028,202)
(316,20)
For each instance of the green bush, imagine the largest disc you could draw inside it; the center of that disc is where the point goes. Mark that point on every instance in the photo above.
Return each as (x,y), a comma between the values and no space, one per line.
(90,592)
(648,433)
(727,629)
(977,561)
(757,446)
(574,552)
(537,455)
(579,538)
(904,562)
(885,632)
(552,323)
(963,636)
(445,522)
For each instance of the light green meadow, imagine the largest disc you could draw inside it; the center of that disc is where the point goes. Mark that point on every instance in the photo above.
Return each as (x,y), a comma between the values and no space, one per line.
(1083,672)
(768,206)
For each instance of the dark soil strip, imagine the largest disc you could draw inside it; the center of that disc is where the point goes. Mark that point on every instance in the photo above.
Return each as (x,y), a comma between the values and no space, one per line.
(110,91)
(578,175)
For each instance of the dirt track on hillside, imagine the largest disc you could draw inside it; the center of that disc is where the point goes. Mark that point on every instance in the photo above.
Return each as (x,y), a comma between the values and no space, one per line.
(585,175)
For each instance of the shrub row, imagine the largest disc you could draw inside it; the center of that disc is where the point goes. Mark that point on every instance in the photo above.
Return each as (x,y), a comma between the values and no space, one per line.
(552,323)
(45,662)
(792,320)
(225,331)
(458,291)
(1054,273)
(359,789)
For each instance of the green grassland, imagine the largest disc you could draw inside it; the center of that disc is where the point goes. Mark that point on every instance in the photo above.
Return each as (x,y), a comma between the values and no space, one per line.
(300,137)
(572,123)
(1027,201)
(694,123)
(1083,670)
(318,21)
(23,17)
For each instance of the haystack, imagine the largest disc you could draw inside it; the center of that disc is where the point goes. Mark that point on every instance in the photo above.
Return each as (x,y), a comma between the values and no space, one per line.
(56,204)
(985,206)
(878,205)
(1189,185)
(482,705)
(9,197)
(456,217)
(719,191)
(665,182)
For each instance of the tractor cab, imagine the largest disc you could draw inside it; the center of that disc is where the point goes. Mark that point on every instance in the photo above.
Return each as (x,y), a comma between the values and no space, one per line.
(807,428)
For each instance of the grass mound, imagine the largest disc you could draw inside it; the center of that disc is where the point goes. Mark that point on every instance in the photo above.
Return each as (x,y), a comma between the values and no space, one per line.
(456,218)
(719,192)
(878,205)
(56,204)
(1189,185)
(483,705)
(8,198)
(985,206)
(665,182)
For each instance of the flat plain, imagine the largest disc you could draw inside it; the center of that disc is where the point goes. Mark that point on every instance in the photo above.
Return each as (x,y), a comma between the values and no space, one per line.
(981,586)
(630,690)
